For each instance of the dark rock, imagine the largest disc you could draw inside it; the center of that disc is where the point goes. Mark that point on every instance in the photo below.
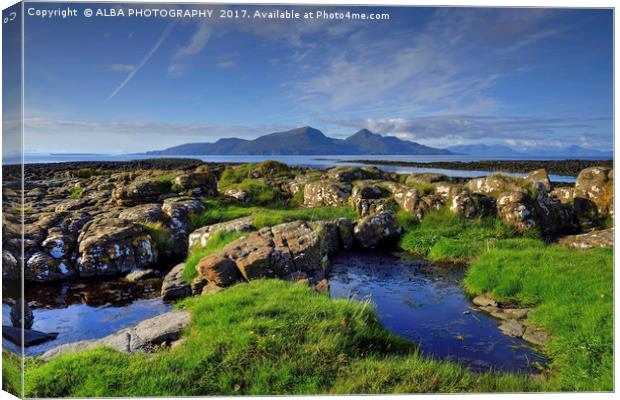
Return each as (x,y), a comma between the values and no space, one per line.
(31,337)
(174,286)
(370,232)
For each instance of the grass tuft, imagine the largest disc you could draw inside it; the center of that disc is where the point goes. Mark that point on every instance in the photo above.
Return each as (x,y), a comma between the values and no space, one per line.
(76,192)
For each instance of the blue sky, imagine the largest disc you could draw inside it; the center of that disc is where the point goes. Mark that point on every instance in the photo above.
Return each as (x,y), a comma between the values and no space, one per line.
(438,76)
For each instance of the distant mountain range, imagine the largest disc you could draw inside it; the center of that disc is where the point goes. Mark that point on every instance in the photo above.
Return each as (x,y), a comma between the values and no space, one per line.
(306,141)
(311,141)
(485,150)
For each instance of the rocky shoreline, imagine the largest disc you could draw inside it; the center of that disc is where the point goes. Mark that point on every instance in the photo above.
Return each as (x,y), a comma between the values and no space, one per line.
(556,167)
(94,223)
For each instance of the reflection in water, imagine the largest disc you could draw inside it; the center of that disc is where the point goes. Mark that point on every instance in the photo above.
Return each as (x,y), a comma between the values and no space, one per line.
(425,303)
(79,311)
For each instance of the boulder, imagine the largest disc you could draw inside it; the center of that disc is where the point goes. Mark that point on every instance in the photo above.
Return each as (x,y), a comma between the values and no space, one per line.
(174,286)
(10,268)
(464,204)
(367,198)
(516,209)
(350,174)
(326,192)
(17,311)
(553,216)
(406,197)
(594,195)
(238,194)
(41,267)
(447,190)
(198,183)
(201,236)
(495,184)
(140,191)
(484,301)
(370,232)
(144,213)
(537,177)
(179,211)
(426,177)
(218,269)
(111,246)
(592,239)
(144,337)
(564,194)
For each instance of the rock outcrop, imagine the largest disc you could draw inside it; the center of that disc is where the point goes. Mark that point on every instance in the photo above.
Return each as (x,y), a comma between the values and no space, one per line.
(174,286)
(601,238)
(326,192)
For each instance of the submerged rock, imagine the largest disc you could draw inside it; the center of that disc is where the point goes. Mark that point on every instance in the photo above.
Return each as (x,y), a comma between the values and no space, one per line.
(146,336)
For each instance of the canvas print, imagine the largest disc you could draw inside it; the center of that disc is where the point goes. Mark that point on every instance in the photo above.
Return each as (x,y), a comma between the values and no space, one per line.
(230,199)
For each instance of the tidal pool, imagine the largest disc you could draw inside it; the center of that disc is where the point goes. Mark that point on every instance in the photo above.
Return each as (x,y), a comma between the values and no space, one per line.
(92,310)
(426,303)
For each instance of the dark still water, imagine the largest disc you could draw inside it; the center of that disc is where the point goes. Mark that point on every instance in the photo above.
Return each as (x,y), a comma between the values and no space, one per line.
(425,303)
(87,310)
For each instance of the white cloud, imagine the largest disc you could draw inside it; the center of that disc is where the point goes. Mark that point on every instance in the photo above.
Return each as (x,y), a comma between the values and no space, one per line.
(180,61)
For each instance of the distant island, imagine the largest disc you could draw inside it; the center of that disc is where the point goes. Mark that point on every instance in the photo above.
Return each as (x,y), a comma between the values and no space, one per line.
(306,141)
(310,141)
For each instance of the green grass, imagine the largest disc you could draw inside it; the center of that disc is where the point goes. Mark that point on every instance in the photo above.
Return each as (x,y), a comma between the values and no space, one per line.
(11,373)
(572,292)
(165,182)
(422,188)
(160,234)
(235,174)
(444,236)
(76,192)
(267,337)
(266,216)
(260,192)
(216,242)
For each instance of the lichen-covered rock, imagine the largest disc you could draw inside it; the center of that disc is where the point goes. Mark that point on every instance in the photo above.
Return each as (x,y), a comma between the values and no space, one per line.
(140,191)
(144,213)
(538,176)
(174,286)
(370,232)
(200,236)
(564,194)
(367,198)
(602,238)
(43,268)
(594,195)
(447,190)
(553,216)
(326,192)
(111,246)
(406,197)
(10,266)
(516,209)
(238,194)
(179,211)
(495,184)
(463,204)
(199,183)
(426,177)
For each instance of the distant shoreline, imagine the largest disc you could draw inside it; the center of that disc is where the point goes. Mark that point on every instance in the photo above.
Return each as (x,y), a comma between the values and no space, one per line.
(556,167)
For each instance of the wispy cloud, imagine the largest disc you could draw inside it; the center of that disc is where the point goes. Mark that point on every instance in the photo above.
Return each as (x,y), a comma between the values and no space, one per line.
(122,67)
(226,64)
(144,60)
(180,61)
